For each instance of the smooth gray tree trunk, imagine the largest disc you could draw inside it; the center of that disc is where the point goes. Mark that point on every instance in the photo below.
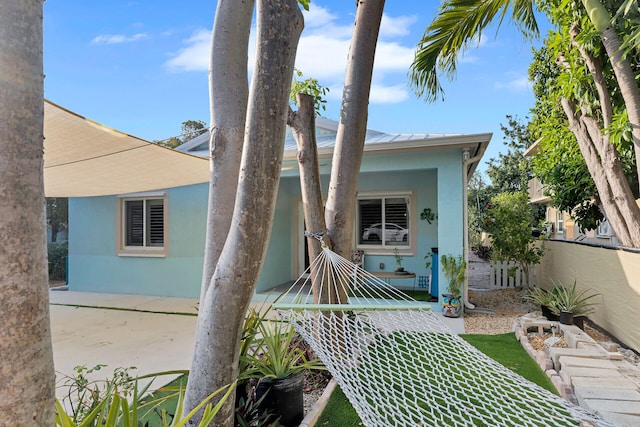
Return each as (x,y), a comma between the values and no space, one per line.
(625,76)
(221,315)
(352,128)
(303,127)
(228,92)
(608,176)
(26,364)
(601,156)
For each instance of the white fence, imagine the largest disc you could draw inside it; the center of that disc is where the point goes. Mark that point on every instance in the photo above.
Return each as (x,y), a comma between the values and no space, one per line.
(506,274)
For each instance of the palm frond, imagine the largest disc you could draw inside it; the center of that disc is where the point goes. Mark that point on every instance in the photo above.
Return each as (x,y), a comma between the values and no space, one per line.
(458,24)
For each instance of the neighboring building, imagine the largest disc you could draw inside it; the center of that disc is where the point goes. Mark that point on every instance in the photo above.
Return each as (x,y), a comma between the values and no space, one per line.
(151,242)
(561,224)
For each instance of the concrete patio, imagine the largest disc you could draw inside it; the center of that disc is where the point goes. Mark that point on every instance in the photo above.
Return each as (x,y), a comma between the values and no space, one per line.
(152,333)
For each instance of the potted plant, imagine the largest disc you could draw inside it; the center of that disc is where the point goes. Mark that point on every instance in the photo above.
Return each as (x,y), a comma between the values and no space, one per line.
(277,364)
(250,331)
(454,270)
(544,298)
(399,267)
(570,304)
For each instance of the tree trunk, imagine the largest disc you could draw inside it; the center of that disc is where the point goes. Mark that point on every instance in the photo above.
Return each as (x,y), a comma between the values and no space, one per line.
(613,188)
(628,87)
(352,128)
(625,76)
(26,368)
(228,92)
(221,316)
(303,126)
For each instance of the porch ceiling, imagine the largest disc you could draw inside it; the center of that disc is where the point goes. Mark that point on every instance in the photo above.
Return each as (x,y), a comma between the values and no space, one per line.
(85,158)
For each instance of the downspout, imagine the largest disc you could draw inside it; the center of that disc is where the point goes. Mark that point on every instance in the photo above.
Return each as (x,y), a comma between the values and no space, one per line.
(466,161)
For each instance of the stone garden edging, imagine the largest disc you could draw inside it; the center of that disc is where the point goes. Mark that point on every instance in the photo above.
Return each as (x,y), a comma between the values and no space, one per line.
(595,376)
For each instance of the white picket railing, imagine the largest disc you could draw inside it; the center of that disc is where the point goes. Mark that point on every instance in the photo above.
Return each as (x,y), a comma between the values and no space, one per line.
(506,274)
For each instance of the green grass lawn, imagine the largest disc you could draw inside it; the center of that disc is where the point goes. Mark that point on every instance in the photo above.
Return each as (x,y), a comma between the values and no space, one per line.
(504,348)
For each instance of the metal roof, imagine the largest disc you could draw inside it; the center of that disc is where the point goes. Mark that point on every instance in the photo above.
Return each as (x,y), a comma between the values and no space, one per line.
(326,132)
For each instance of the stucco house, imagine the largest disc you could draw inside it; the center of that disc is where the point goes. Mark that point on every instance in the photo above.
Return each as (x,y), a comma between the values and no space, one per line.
(149,239)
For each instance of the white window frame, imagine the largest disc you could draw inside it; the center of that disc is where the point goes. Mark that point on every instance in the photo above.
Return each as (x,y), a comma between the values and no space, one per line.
(604,229)
(412,223)
(560,222)
(121,226)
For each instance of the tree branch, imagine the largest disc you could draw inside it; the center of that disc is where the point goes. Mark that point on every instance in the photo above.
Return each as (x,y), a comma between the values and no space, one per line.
(595,68)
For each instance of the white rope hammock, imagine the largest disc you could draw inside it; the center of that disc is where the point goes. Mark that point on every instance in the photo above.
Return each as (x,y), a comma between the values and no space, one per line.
(399,365)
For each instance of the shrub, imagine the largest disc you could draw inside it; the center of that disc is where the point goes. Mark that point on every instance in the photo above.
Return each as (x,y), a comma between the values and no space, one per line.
(57,254)
(509,221)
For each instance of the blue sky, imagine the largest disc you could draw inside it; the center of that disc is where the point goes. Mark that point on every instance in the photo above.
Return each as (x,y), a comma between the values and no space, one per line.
(141,67)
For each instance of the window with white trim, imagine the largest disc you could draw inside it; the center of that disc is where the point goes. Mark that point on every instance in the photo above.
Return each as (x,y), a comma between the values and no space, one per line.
(142,225)
(559,222)
(384,221)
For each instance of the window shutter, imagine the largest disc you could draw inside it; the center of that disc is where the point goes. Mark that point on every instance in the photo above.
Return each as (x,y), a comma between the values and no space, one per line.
(155,223)
(134,220)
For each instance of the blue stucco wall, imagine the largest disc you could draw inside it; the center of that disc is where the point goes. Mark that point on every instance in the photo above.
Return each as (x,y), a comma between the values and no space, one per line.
(277,265)
(438,188)
(94,266)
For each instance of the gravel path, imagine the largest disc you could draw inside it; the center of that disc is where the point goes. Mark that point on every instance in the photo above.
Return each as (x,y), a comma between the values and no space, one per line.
(495,311)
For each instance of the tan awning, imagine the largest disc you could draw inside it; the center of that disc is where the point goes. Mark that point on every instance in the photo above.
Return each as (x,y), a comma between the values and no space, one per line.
(85,158)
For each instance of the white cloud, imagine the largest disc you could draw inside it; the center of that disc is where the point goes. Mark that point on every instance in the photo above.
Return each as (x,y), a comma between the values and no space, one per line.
(468,59)
(518,84)
(322,54)
(392,56)
(388,94)
(380,94)
(396,26)
(317,16)
(117,38)
(322,57)
(195,56)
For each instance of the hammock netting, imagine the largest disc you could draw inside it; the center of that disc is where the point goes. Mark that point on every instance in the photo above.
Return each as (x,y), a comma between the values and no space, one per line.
(400,365)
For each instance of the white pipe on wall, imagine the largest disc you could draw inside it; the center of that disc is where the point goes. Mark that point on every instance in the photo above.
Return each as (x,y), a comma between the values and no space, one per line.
(466,161)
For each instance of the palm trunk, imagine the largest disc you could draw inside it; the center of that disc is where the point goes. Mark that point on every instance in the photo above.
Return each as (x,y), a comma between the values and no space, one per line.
(27,391)
(220,319)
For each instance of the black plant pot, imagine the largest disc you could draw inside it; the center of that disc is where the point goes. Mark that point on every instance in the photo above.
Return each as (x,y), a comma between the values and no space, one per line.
(546,312)
(284,399)
(566,318)
(242,394)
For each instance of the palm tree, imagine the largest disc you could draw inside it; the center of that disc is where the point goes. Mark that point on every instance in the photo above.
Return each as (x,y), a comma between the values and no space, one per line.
(460,22)
(28,378)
